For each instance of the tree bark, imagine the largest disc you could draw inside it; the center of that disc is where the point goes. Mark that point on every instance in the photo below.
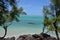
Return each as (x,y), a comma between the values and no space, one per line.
(43,29)
(56,32)
(5,28)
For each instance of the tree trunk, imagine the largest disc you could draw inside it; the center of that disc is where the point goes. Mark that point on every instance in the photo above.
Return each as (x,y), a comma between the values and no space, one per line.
(5,28)
(56,32)
(43,29)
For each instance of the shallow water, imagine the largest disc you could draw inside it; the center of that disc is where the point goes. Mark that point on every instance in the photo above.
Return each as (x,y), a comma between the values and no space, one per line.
(27,25)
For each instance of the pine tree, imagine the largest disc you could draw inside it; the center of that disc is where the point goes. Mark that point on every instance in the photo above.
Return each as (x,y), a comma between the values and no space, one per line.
(52,17)
(7,16)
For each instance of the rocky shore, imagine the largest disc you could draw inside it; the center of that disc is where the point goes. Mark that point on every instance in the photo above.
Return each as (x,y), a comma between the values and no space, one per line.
(41,36)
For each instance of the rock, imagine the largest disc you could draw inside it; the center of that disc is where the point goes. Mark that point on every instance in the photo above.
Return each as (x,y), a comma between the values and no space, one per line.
(3,39)
(29,37)
(22,37)
(36,36)
(42,36)
(51,38)
(12,38)
(26,37)
(45,35)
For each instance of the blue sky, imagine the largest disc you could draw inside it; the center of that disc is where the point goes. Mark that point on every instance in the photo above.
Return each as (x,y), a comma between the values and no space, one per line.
(33,7)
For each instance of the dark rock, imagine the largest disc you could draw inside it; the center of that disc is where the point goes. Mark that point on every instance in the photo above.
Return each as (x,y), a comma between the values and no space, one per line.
(51,38)
(3,39)
(45,35)
(36,36)
(22,37)
(29,37)
(26,37)
(42,36)
(12,38)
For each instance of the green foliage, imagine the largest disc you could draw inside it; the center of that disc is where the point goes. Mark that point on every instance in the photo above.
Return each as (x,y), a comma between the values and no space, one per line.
(46,10)
(56,3)
(12,15)
(58,18)
(20,9)
(49,22)
(54,9)
(58,29)
(7,16)
(51,28)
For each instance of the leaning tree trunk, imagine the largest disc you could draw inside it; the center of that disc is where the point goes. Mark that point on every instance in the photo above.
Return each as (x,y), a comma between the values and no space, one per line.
(56,32)
(5,28)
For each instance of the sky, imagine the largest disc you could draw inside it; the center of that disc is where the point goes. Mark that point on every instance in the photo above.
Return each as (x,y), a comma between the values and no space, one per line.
(33,7)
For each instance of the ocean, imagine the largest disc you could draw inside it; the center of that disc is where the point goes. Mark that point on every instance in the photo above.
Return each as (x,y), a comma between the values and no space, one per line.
(26,25)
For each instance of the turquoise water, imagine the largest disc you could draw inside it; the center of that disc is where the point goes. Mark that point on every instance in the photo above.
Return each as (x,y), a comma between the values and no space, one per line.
(26,25)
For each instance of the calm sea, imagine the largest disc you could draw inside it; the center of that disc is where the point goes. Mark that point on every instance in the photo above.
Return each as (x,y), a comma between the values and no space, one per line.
(26,25)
